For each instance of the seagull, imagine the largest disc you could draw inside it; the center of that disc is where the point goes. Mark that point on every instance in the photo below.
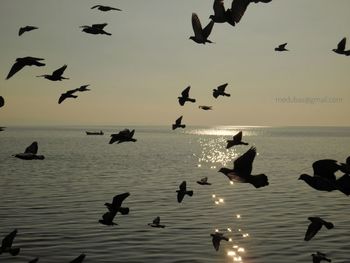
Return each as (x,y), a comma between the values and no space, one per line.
(201,35)
(22,62)
(34,260)
(96,29)
(26,29)
(185,96)
(242,169)
(203,107)
(56,75)
(341,48)
(182,192)
(105,8)
(117,202)
(2,101)
(315,225)
(318,257)
(6,245)
(123,136)
(282,47)
(156,223)
(220,91)
(83,88)
(67,94)
(217,237)
(30,153)
(204,181)
(79,259)
(237,140)
(178,124)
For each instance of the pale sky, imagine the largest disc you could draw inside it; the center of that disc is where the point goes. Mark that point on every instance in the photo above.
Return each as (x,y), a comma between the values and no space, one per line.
(137,73)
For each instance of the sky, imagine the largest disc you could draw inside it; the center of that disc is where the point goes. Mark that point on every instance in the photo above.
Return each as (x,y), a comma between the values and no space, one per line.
(137,73)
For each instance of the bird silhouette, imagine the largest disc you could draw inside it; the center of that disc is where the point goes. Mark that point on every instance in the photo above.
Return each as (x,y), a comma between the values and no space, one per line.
(182,192)
(220,91)
(26,29)
(79,259)
(178,124)
(68,94)
(318,257)
(201,35)
(2,128)
(315,226)
(30,153)
(185,96)
(220,13)
(216,239)
(117,202)
(341,48)
(156,223)
(83,88)
(107,218)
(237,140)
(6,245)
(2,101)
(203,107)
(56,75)
(105,8)
(203,181)
(242,169)
(96,29)
(345,167)
(34,260)
(123,136)
(22,62)
(281,47)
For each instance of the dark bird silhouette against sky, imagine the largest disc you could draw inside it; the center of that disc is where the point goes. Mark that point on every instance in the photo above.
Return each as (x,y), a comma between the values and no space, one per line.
(315,226)
(30,153)
(79,259)
(220,91)
(156,223)
(96,29)
(26,29)
(123,136)
(178,124)
(56,75)
(117,202)
(204,107)
(6,245)
(2,101)
(182,192)
(22,62)
(318,257)
(68,94)
(341,48)
(242,168)
(220,13)
(83,88)
(281,47)
(203,181)
(35,260)
(237,140)
(105,8)
(216,239)
(201,35)
(185,96)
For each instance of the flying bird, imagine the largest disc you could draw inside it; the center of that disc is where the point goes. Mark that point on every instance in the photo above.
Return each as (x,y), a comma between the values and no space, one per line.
(341,48)
(185,96)
(318,257)
(216,239)
(242,168)
(237,140)
(96,29)
(26,29)
(117,202)
(123,136)
(203,107)
(220,91)
(35,260)
(156,223)
(220,13)
(2,101)
(203,181)
(182,192)
(201,35)
(30,153)
(67,94)
(345,167)
(281,47)
(22,62)
(105,8)
(56,75)
(79,259)
(315,226)
(6,245)
(178,124)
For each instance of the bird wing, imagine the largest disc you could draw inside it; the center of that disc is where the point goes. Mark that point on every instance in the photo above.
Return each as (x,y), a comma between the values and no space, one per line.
(222,87)
(62,98)
(219,8)
(21,31)
(131,134)
(196,25)
(95,6)
(183,186)
(156,221)
(204,179)
(33,148)
(216,242)
(207,29)
(2,101)
(8,240)
(238,137)
(185,92)
(312,230)
(341,44)
(113,8)
(19,64)
(238,8)
(180,196)
(178,121)
(99,26)
(283,45)
(79,259)
(118,199)
(59,72)
(243,165)
(326,169)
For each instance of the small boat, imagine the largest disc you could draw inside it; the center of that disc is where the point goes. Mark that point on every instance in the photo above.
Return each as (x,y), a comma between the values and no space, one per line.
(94,133)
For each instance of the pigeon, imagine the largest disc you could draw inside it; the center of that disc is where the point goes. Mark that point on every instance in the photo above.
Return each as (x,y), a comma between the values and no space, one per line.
(26,29)
(182,192)
(201,35)
(105,8)
(185,96)
(22,62)
(67,94)
(341,48)
(220,91)
(56,75)
(30,153)
(2,101)
(217,237)
(123,136)
(117,202)
(203,107)
(204,181)
(83,88)
(315,225)
(237,140)
(178,124)
(79,259)
(156,223)
(242,169)
(6,245)
(318,257)
(35,260)
(96,29)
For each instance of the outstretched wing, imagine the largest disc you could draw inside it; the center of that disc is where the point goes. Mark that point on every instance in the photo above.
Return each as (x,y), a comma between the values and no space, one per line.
(8,240)
(342,44)
(207,29)
(243,165)
(95,6)
(238,137)
(33,148)
(185,92)
(178,121)
(118,199)
(219,8)
(238,8)
(2,101)
(283,46)
(183,186)
(326,169)
(15,68)
(79,259)
(99,26)
(222,87)
(312,230)
(156,221)
(196,25)
(59,72)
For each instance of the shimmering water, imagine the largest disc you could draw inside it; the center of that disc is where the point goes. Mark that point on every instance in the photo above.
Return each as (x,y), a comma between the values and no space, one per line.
(55,203)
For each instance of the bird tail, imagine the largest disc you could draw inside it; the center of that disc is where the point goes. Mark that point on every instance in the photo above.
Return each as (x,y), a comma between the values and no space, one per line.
(124,210)
(14,251)
(108,34)
(192,100)
(227,95)
(259,180)
(190,193)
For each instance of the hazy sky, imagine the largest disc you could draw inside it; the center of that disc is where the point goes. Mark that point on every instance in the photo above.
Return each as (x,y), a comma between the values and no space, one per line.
(137,73)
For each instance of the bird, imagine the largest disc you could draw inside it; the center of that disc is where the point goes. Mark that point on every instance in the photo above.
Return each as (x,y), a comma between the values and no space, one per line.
(341,48)
(79,259)
(156,223)
(182,192)
(83,88)
(237,140)
(6,245)
(216,239)
(201,35)
(34,260)
(220,91)
(203,107)
(2,101)
(220,13)
(96,29)
(242,169)
(185,96)
(178,124)
(26,29)
(345,167)
(107,218)
(123,136)
(117,202)
(68,94)
(30,153)
(203,181)
(56,75)
(318,257)
(22,62)
(105,8)
(315,225)
(282,47)
(2,128)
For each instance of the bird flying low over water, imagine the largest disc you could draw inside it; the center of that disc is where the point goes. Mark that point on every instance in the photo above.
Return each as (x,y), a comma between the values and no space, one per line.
(117,202)
(315,226)
(156,223)
(341,48)
(282,47)
(182,192)
(178,124)
(96,29)
(35,260)
(203,181)
(237,140)
(30,153)
(318,257)
(105,8)
(203,107)
(216,239)
(220,91)
(123,136)
(185,96)
(79,259)
(201,35)
(242,169)
(56,75)
(26,29)
(22,62)
(6,245)
(2,101)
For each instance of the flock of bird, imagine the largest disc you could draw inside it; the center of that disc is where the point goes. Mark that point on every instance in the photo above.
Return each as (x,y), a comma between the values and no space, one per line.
(324,178)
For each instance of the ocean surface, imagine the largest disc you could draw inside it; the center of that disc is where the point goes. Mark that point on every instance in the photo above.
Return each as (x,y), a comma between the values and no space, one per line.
(56,203)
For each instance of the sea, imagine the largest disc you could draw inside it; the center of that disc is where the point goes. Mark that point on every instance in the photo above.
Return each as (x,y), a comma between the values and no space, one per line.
(55,204)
